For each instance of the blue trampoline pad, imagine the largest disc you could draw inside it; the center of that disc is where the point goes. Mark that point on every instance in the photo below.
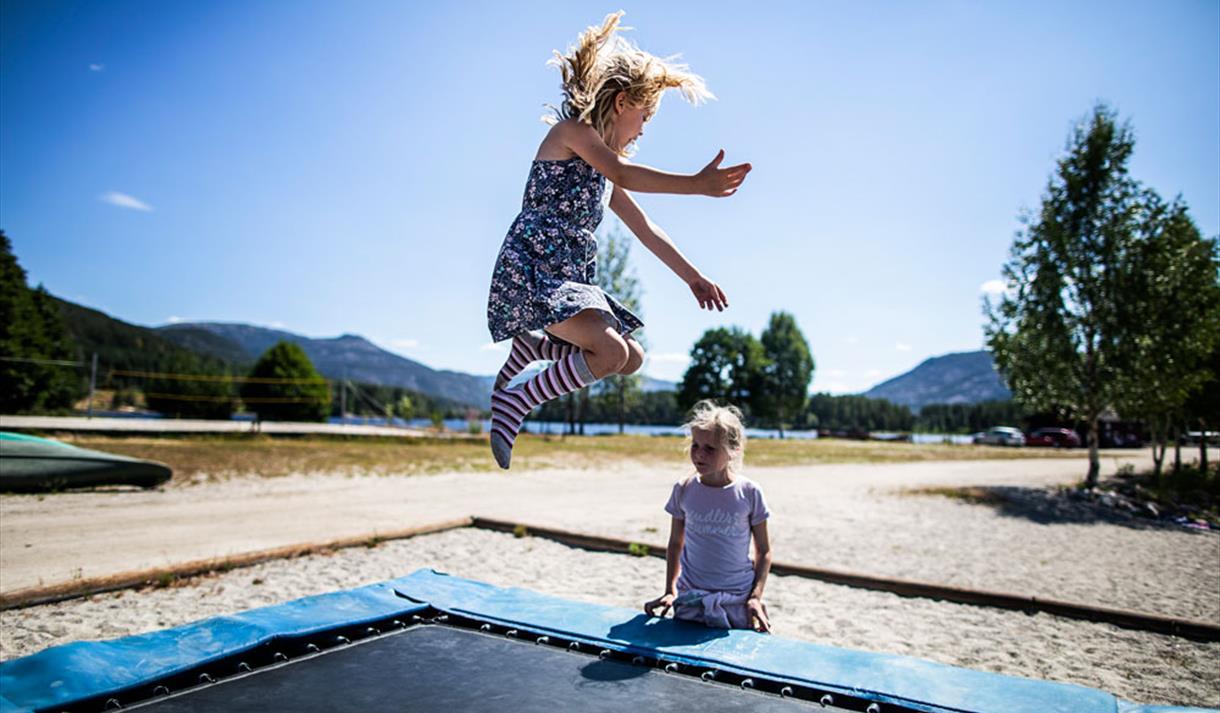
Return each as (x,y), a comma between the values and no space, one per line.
(428,642)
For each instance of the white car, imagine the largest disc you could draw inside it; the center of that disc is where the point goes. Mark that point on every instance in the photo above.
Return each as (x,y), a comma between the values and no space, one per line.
(1001,436)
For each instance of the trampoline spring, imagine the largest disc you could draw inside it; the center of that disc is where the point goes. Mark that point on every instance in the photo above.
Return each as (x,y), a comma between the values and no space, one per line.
(639,661)
(372,631)
(543,640)
(511,633)
(748,683)
(343,640)
(671,668)
(485,627)
(113,704)
(827,700)
(160,691)
(442,618)
(604,654)
(786,691)
(279,656)
(244,667)
(708,675)
(312,648)
(574,646)
(416,618)
(206,678)
(873,708)
(398,623)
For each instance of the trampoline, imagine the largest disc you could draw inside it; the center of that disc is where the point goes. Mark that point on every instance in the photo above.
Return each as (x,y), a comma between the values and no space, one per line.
(430,642)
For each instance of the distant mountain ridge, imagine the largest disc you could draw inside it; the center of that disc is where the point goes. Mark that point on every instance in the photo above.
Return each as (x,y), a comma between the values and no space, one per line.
(959,378)
(345,357)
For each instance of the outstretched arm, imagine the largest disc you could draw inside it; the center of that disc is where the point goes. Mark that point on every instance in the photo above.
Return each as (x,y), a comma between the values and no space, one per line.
(712,180)
(650,234)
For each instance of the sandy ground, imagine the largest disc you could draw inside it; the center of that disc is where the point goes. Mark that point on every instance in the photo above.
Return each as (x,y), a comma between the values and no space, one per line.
(1148,668)
(849,517)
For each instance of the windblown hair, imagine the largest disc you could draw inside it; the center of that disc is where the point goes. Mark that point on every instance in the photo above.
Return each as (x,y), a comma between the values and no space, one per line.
(602,64)
(723,422)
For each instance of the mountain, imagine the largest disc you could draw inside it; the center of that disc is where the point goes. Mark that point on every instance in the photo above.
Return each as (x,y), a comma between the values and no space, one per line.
(961,378)
(348,356)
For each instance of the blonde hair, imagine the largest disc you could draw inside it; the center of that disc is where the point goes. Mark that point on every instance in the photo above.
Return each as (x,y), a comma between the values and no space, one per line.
(724,422)
(602,64)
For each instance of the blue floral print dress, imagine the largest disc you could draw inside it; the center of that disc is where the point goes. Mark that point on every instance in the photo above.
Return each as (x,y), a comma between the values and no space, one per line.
(547,266)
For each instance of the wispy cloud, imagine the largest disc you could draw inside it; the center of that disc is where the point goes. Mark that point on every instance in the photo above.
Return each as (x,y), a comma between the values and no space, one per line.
(836,373)
(902,347)
(123,200)
(494,347)
(174,319)
(851,339)
(97,67)
(873,373)
(404,343)
(993,287)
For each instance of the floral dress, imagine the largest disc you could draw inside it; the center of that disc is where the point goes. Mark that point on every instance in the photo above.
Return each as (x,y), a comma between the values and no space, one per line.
(547,266)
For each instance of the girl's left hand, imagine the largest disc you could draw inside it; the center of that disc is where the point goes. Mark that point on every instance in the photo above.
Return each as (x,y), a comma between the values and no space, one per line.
(708,293)
(758,614)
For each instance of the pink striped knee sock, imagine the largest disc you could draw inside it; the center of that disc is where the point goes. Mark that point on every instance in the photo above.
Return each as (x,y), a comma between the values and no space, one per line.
(529,347)
(509,407)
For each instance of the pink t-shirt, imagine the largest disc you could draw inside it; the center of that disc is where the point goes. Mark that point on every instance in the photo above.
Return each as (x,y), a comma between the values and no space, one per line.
(716,554)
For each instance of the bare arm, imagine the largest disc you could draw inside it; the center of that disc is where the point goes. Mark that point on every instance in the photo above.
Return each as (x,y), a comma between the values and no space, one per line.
(663,603)
(762,559)
(582,140)
(650,234)
(762,567)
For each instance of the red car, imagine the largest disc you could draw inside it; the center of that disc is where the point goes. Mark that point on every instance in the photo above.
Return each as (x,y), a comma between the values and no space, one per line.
(1053,438)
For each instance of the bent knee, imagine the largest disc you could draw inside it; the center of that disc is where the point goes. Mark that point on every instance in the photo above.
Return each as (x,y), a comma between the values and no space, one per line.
(635,358)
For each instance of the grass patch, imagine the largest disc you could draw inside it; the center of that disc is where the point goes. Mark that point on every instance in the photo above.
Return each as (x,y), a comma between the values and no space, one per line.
(213,457)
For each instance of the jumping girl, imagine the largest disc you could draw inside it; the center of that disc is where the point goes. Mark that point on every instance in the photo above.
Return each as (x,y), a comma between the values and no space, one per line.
(542,292)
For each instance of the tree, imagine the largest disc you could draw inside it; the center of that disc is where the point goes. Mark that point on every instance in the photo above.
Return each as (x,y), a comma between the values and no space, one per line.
(616,276)
(726,365)
(284,386)
(1170,316)
(32,332)
(1055,333)
(787,372)
(189,390)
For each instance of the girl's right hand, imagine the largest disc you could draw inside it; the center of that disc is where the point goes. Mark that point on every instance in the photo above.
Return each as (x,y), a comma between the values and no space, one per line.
(721,182)
(708,293)
(665,602)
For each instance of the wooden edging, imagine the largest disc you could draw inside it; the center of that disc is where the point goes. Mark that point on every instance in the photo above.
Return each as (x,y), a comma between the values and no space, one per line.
(161,575)
(1186,628)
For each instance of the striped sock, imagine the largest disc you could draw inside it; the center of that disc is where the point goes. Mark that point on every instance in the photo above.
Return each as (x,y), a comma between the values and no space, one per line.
(509,407)
(529,347)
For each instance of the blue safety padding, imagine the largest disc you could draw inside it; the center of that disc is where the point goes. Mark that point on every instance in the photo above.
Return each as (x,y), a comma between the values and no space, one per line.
(83,670)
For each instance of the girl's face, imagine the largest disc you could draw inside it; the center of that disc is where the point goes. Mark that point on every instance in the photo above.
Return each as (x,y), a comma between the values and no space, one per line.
(629,121)
(707,455)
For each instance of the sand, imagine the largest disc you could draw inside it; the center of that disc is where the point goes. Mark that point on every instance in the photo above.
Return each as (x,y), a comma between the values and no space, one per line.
(852,517)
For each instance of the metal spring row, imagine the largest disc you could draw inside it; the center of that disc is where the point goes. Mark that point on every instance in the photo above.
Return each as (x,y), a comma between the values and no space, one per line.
(271,654)
(824,698)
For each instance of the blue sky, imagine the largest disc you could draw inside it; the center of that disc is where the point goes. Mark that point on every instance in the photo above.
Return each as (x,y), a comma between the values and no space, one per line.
(328,167)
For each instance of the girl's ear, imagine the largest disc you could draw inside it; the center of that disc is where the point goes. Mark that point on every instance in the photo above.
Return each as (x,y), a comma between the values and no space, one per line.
(620,102)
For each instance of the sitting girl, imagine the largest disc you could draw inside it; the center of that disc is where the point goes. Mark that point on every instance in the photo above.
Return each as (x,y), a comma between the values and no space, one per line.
(709,576)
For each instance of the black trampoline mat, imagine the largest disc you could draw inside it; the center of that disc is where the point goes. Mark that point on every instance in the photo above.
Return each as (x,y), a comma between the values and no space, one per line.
(436,668)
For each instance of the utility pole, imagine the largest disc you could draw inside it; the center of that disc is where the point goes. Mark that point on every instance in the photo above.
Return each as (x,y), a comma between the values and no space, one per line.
(92,383)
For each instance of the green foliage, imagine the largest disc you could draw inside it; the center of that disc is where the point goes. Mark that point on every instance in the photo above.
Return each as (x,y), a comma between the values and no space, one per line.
(616,276)
(787,371)
(185,391)
(31,328)
(644,407)
(968,418)
(855,414)
(727,365)
(292,391)
(1112,293)
(636,549)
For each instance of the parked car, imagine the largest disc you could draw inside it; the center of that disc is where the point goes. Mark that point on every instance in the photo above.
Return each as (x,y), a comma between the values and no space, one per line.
(1001,436)
(1054,438)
